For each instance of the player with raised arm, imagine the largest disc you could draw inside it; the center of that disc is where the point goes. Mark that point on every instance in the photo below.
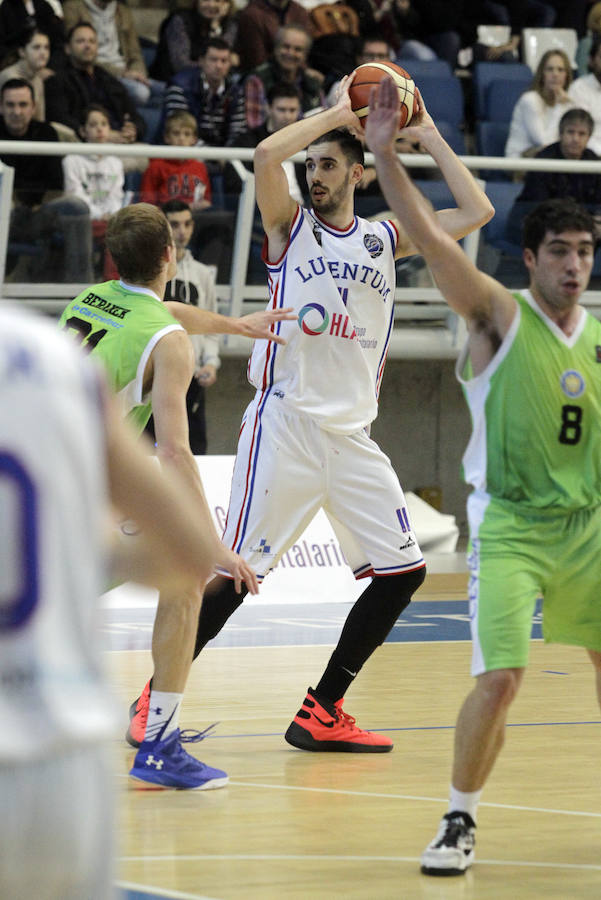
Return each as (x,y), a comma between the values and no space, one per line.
(530,372)
(304,441)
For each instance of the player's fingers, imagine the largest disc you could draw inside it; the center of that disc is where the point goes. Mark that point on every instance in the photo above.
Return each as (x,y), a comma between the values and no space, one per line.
(276,339)
(252,582)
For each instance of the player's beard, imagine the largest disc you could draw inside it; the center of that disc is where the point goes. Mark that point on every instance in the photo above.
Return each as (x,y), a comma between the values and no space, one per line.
(334,199)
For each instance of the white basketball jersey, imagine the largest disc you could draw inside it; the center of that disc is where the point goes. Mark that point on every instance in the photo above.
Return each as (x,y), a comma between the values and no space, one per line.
(341,285)
(52,506)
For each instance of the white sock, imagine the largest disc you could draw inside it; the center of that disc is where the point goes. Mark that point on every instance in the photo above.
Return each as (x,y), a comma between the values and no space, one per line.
(459,801)
(163,712)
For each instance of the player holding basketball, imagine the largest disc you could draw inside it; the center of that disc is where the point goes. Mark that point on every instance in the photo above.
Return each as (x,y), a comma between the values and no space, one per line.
(304,442)
(530,372)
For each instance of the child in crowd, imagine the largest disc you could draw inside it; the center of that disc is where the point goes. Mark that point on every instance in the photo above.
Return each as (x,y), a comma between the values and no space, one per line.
(98,180)
(178,179)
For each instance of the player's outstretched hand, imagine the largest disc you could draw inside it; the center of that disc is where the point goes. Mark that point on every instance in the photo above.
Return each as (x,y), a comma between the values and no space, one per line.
(258,325)
(238,569)
(382,127)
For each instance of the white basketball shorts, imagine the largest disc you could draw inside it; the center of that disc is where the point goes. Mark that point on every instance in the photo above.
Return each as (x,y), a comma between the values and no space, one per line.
(287,467)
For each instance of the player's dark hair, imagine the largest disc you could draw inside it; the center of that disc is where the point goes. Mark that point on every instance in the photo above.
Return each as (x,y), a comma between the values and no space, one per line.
(14,84)
(175,206)
(282,89)
(576,115)
(555,217)
(348,143)
(137,237)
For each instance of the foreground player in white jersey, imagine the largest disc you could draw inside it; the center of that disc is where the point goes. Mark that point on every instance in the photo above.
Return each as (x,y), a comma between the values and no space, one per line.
(530,373)
(304,442)
(64,451)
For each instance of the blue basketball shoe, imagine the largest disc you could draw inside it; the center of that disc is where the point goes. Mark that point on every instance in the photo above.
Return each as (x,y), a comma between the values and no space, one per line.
(165,764)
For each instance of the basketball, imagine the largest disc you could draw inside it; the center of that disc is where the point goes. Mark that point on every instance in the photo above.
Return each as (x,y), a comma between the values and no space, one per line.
(370,74)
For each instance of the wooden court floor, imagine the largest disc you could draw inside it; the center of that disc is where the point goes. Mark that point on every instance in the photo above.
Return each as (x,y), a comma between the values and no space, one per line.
(305,825)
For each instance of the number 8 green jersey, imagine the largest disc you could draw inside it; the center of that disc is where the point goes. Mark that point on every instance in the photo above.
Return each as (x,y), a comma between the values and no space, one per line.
(121,325)
(536,414)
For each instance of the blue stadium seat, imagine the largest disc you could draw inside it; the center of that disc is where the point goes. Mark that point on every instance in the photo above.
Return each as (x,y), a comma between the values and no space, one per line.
(491,138)
(437,191)
(443,97)
(425,67)
(501,98)
(502,195)
(486,73)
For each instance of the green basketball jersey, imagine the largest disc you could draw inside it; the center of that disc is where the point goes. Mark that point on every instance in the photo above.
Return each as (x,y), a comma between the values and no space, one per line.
(536,414)
(121,325)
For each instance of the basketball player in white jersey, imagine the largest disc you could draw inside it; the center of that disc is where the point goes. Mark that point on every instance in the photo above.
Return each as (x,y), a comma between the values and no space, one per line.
(304,441)
(64,451)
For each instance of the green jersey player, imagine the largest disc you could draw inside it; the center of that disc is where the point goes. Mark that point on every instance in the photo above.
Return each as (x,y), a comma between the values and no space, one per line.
(531,377)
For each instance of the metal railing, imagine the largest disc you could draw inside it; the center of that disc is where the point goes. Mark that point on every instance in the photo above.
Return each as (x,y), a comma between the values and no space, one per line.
(424,326)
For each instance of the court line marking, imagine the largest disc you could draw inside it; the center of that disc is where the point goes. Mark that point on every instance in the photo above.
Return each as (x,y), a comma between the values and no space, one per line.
(283,857)
(390,796)
(157,892)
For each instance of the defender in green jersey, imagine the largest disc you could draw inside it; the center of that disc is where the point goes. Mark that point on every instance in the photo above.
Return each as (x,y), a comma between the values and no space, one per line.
(150,363)
(531,373)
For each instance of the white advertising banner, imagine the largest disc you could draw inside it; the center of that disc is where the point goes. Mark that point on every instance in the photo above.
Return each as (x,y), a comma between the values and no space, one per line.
(313,570)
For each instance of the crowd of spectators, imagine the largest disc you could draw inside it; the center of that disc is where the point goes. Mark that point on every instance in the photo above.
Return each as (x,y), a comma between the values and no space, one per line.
(222,75)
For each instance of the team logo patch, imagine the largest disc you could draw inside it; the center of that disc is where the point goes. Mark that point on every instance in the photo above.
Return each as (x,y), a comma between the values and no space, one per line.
(374,245)
(317,233)
(313,319)
(572,383)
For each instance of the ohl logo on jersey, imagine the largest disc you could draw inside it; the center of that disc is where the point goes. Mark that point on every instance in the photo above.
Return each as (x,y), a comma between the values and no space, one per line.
(317,327)
(340,325)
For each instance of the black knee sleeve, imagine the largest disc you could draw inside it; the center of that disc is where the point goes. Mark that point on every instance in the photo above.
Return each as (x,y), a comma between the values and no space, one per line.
(219,601)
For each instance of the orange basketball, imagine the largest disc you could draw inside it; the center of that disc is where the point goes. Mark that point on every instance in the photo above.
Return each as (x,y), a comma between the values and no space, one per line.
(369,74)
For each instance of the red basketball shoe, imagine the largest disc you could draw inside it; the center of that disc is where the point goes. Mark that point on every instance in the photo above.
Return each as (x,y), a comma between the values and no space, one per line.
(138,717)
(316,727)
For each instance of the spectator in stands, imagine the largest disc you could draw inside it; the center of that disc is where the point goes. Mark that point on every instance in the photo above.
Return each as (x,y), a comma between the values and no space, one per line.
(185,31)
(119,50)
(184,180)
(41,209)
(287,63)
(82,82)
(575,129)
(19,16)
(517,15)
(283,106)
(536,115)
(442,23)
(34,53)
(586,92)
(194,283)
(211,94)
(397,22)
(258,25)
(98,181)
